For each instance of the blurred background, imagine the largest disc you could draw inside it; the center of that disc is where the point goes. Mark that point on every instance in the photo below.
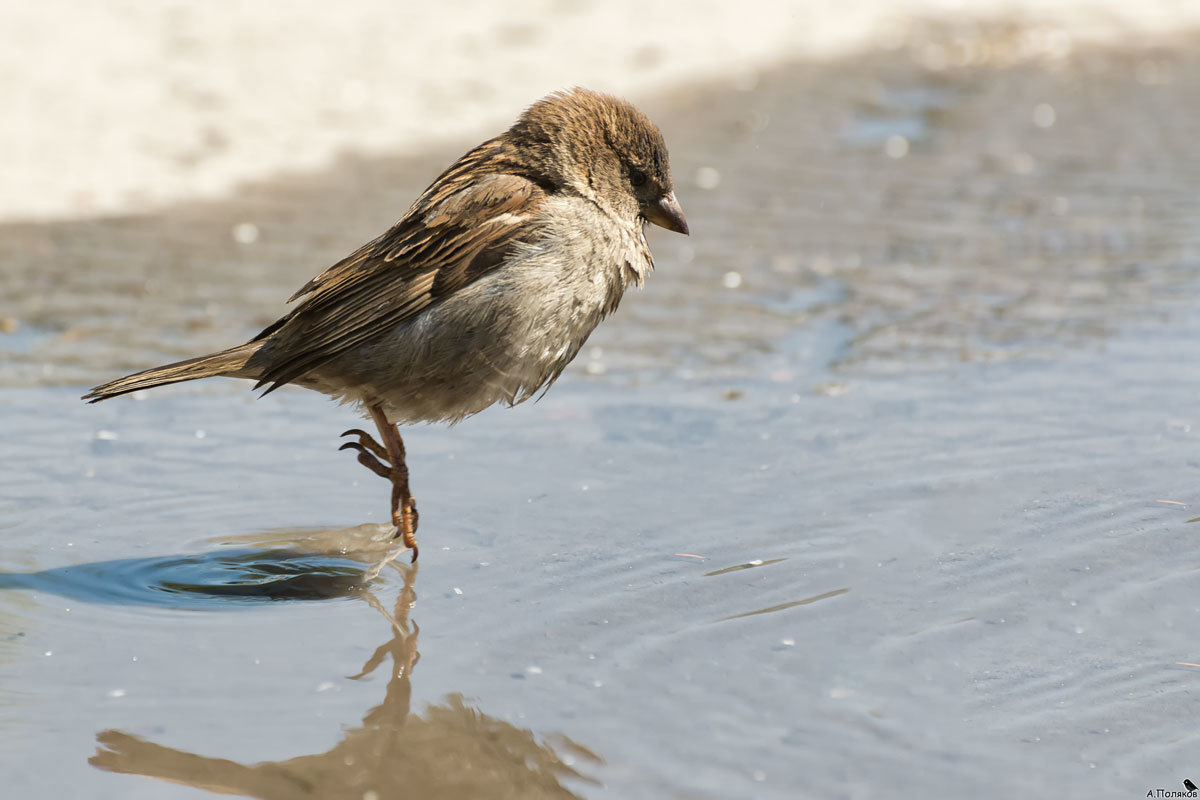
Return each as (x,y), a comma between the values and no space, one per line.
(174,171)
(881,484)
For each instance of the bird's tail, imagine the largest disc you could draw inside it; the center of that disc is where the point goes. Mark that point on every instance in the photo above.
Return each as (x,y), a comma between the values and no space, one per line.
(231,362)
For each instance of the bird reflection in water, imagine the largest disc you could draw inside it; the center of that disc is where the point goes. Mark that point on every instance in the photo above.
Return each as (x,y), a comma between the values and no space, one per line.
(451,750)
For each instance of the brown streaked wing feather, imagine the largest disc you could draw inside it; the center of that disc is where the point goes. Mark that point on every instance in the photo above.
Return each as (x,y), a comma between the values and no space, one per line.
(459,229)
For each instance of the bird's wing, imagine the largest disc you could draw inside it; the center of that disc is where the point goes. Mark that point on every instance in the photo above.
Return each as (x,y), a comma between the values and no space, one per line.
(463,226)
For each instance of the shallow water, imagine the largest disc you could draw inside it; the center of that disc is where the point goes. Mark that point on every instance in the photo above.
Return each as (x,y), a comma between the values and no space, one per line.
(864,493)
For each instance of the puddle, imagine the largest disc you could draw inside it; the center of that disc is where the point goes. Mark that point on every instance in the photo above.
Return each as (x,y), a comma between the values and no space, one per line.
(446,749)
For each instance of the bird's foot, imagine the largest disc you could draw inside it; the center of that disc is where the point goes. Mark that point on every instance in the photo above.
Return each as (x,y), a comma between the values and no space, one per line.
(376,457)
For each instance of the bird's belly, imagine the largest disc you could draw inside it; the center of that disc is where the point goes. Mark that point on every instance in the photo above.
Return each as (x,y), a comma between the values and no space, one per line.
(500,339)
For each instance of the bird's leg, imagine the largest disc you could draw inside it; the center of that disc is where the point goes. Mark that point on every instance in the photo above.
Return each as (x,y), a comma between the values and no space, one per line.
(371,454)
(387,461)
(404,508)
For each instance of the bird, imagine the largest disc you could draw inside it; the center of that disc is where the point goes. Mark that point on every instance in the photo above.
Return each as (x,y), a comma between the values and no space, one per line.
(482,292)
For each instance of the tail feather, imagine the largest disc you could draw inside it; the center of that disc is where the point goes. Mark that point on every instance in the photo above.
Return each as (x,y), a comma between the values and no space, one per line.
(227,362)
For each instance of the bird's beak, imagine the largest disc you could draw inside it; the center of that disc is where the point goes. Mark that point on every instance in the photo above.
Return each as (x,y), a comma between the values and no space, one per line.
(666,213)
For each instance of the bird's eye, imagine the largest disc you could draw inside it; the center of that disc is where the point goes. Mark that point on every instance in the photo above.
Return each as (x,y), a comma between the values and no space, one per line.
(637,177)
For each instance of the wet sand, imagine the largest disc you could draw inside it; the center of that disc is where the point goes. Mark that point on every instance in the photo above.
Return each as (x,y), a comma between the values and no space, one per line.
(861,495)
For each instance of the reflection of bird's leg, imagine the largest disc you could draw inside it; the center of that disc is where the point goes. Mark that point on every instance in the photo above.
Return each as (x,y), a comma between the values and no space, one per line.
(403,644)
(399,635)
(404,604)
(404,508)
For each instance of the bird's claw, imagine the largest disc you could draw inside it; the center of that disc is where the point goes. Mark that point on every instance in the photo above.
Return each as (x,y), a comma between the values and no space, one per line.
(368,460)
(368,441)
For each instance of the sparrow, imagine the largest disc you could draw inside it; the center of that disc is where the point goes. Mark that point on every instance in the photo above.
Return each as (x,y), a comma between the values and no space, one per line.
(481,293)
